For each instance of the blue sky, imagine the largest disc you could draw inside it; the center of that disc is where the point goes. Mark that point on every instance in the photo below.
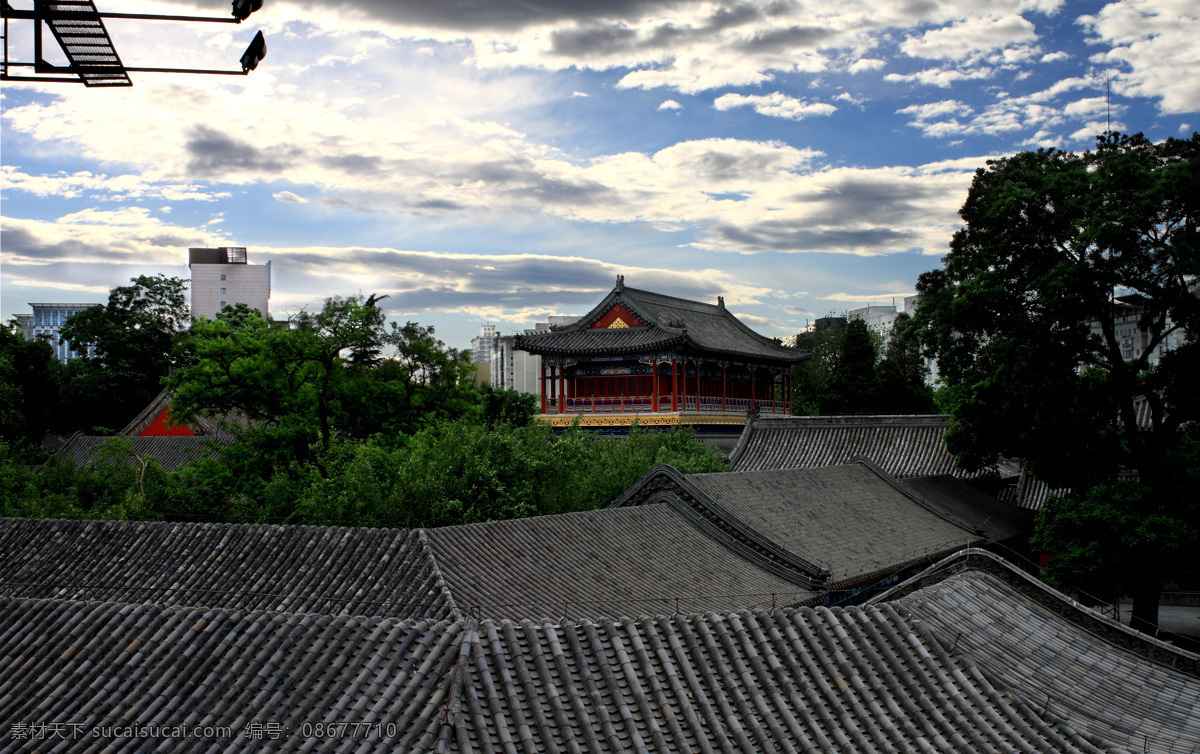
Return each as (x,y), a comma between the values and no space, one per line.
(503,160)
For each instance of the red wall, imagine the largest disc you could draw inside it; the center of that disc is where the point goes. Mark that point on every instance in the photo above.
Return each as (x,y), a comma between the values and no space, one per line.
(159,428)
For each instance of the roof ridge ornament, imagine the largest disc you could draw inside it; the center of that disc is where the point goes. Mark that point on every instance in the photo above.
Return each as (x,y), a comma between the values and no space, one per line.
(721,303)
(620,282)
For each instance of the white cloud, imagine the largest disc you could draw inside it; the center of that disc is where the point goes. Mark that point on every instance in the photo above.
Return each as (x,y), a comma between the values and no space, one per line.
(775,105)
(940,77)
(1038,111)
(102,187)
(580,94)
(881,299)
(970,38)
(1156,42)
(1055,57)
(670,104)
(866,64)
(289,198)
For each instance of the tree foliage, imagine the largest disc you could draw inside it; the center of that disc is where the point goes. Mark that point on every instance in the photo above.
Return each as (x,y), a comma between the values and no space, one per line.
(134,340)
(337,419)
(30,382)
(1024,324)
(854,371)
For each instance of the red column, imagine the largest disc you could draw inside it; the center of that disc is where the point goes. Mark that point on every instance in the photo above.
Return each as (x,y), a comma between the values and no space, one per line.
(674,384)
(543,387)
(724,387)
(654,387)
(753,391)
(562,391)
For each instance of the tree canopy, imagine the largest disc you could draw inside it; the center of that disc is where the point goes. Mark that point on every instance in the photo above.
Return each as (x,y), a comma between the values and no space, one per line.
(1048,321)
(134,340)
(854,370)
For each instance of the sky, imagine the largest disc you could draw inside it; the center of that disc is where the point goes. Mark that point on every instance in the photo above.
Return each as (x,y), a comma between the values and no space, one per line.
(499,161)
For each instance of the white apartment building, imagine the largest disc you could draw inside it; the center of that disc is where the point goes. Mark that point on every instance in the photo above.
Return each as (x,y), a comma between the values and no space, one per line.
(878,318)
(520,370)
(47,320)
(223,277)
(482,344)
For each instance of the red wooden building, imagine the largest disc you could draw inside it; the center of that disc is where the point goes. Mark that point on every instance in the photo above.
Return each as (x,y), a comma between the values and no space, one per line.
(639,351)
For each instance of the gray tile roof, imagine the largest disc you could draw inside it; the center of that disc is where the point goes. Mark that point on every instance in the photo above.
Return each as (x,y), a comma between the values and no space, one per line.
(631,561)
(171,452)
(998,519)
(904,446)
(1052,654)
(854,679)
(299,569)
(671,323)
(855,521)
(214,647)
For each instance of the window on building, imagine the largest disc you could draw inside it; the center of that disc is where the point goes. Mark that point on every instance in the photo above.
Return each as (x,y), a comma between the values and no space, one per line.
(222,291)
(222,277)
(222,304)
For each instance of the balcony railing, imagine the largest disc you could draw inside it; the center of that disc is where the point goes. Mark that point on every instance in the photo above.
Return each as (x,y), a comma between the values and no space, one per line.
(629,404)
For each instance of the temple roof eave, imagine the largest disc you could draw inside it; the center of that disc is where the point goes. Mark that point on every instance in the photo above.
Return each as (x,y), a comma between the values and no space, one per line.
(657,349)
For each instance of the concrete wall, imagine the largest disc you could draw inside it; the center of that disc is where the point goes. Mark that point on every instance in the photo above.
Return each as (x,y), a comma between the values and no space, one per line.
(244,283)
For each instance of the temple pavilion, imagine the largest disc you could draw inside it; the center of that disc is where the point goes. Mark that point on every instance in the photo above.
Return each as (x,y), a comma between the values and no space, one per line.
(663,360)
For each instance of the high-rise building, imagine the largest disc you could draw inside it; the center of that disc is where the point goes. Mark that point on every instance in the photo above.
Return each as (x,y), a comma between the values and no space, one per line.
(878,318)
(223,277)
(514,369)
(482,344)
(47,320)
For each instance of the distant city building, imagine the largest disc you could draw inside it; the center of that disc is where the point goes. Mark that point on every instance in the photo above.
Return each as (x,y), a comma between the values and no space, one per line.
(1133,339)
(223,277)
(481,344)
(24,324)
(878,318)
(47,320)
(514,369)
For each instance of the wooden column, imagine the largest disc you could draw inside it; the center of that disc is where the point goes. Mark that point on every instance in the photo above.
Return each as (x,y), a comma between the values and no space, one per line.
(543,386)
(753,391)
(724,386)
(674,384)
(654,387)
(562,389)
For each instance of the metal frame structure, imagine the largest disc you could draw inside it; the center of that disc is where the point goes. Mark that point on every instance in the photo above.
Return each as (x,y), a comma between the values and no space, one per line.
(78,27)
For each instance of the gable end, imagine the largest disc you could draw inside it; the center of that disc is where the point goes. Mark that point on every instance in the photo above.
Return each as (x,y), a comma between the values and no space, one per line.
(617,317)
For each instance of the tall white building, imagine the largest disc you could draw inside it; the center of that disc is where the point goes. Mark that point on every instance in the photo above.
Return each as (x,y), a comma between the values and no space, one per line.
(512,369)
(878,318)
(47,320)
(481,344)
(223,277)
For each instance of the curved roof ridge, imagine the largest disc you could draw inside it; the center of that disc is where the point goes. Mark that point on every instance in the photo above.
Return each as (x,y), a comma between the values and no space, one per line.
(439,579)
(709,328)
(1040,593)
(666,483)
(920,500)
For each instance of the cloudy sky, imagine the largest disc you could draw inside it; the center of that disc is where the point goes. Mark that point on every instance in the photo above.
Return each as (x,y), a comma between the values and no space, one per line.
(502,160)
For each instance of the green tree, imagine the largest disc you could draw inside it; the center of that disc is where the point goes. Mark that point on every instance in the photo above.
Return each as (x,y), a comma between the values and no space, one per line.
(30,383)
(134,337)
(840,377)
(1023,322)
(417,380)
(901,386)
